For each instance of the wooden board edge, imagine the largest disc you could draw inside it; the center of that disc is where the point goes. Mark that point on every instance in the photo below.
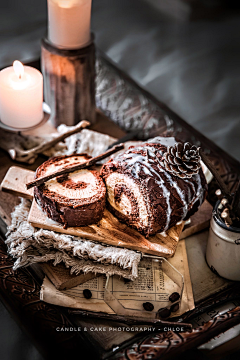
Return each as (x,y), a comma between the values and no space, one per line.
(72,281)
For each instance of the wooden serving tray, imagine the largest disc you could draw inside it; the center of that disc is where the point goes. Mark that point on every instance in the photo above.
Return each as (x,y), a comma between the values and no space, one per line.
(108,230)
(20,289)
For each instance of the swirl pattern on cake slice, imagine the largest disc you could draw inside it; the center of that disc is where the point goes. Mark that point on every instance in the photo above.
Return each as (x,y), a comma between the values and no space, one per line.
(74,199)
(141,193)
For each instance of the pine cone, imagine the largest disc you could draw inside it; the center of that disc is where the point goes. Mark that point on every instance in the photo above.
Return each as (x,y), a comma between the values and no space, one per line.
(182,160)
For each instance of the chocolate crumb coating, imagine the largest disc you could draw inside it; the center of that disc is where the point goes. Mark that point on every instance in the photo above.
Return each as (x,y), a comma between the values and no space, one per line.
(74,199)
(141,193)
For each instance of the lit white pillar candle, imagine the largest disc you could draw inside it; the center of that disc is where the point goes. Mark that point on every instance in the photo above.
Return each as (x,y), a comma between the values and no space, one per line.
(69,23)
(21,96)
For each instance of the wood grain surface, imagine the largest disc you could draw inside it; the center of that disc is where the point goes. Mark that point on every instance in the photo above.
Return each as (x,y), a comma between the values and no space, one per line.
(61,278)
(199,221)
(15,180)
(108,230)
(112,232)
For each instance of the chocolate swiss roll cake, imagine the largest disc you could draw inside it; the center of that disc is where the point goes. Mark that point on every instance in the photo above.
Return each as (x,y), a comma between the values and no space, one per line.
(74,199)
(155,185)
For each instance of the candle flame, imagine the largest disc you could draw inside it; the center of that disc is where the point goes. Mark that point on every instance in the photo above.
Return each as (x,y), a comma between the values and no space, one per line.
(66,4)
(18,68)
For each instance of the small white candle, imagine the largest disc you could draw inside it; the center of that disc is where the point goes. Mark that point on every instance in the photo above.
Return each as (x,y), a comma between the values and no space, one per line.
(69,23)
(21,96)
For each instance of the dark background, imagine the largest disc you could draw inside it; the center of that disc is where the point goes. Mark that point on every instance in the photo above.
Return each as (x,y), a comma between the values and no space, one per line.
(187,53)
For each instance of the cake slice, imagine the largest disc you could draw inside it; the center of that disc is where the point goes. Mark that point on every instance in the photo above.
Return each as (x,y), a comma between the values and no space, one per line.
(74,199)
(150,195)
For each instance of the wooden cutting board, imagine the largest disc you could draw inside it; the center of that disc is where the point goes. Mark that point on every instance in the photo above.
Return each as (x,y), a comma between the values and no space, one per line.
(108,230)
(61,278)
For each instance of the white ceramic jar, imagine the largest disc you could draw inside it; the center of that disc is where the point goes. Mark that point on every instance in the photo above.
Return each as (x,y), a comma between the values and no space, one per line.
(223,248)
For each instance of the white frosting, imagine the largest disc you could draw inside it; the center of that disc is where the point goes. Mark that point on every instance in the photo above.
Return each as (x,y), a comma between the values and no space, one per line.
(179,222)
(179,191)
(163,233)
(166,141)
(198,193)
(143,162)
(133,160)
